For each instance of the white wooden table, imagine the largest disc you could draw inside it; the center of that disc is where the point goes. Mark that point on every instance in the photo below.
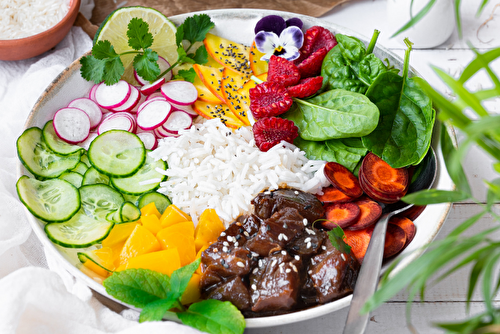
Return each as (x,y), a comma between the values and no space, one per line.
(445,301)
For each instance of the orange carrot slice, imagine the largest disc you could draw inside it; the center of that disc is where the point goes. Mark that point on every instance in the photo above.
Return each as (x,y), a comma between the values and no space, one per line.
(333,195)
(382,177)
(395,240)
(341,214)
(369,215)
(342,179)
(407,226)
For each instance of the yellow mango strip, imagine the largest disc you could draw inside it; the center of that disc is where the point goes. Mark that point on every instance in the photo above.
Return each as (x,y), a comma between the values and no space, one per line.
(117,250)
(99,260)
(198,255)
(258,66)
(211,77)
(218,110)
(183,243)
(141,241)
(208,229)
(229,54)
(150,209)
(192,293)
(230,85)
(164,261)
(119,233)
(186,228)
(173,215)
(151,222)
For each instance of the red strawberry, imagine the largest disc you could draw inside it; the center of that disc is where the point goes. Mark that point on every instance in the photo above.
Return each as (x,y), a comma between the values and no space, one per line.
(316,38)
(282,71)
(269,99)
(270,131)
(311,66)
(306,87)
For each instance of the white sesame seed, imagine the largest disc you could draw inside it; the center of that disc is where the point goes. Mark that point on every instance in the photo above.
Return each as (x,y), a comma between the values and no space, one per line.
(223,234)
(310,272)
(260,263)
(267,193)
(229,238)
(296,192)
(294,267)
(306,240)
(297,257)
(240,264)
(282,264)
(283,252)
(225,243)
(308,245)
(246,234)
(288,270)
(255,271)
(343,257)
(309,231)
(285,237)
(224,249)
(323,247)
(280,236)
(255,254)
(273,263)
(254,287)
(304,221)
(236,244)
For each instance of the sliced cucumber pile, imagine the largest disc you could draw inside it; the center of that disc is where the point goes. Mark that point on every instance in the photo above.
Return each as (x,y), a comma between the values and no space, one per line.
(81,195)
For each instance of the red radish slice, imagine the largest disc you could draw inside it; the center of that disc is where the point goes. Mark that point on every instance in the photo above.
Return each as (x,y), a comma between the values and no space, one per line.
(72,125)
(129,116)
(132,101)
(153,115)
(178,120)
(155,94)
(116,122)
(86,143)
(150,88)
(142,99)
(160,132)
(163,64)
(113,96)
(145,103)
(92,92)
(149,140)
(180,92)
(90,107)
(187,109)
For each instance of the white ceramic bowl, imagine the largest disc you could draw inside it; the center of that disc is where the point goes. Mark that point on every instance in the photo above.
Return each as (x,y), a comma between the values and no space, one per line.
(238,25)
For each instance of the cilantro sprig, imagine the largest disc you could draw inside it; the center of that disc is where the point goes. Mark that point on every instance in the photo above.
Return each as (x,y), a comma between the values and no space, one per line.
(158,295)
(105,64)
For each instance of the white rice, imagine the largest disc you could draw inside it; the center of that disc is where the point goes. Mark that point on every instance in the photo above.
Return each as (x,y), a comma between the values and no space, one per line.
(23,18)
(211,166)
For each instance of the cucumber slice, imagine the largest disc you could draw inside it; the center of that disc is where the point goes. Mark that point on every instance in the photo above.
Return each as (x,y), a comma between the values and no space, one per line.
(100,199)
(91,256)
(92,176)
(79,232)
(55,143)
(117,153)
(138,183)
(72,177)
(161,201)
(128,212)
(81,168)
(85,159)
(131,198)
(52,200)
(39,159)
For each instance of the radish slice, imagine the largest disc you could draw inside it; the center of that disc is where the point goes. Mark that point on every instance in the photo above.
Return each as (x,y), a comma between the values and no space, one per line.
(113,96)
(92,92)
(180,92)
(116,122)
(132,101)
(163,64)
(178,120)
(145,103)
(129,116)
(155,94)
(149,140)
(142,99)
(153,115)
(86,143)
(187,109)
(72,125)
(160,132)
(150,88)
(90,107)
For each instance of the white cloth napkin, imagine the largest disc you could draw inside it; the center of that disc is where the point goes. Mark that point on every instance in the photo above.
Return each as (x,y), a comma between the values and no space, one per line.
(33,298)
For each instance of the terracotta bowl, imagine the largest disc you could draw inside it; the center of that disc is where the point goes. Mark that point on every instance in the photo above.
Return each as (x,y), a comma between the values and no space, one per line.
(24,48)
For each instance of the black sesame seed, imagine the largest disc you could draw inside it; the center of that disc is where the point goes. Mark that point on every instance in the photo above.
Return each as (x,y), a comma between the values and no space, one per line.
(307,207)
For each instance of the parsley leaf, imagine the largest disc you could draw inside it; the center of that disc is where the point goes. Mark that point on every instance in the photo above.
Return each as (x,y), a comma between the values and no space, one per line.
(103,50)
(196,27)
(186,75)
(201,55)
(336,236)
(113,71)
(138,34)
(92,69)
(146,65)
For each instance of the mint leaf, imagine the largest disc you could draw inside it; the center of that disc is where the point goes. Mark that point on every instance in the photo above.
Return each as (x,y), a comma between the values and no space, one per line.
(336,236)
(186,75)
(113,70)
(196,27)
(214,316)
(180,278)
(155,310)
(92,69)
(103,50)
(201,55)
(137,287)
(138,34)
(146,65)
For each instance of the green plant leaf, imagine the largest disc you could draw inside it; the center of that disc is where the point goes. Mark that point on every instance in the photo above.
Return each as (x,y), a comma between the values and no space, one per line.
(92,69)
(138,34)
(113,70)
(214,317)
(196,27)
(434,196)
(146,65)
(180,278)
(487,280)
(415,18)
(336,236)
(103,50)
(493,194)
(201,55)
(187,75)
(155,310)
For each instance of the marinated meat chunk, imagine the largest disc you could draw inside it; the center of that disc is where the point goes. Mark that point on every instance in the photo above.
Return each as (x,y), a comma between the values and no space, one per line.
(251,225)
(225,261)
(308,243)
(275,283)
(269,202)
(277,231)
(232,290)
(333,273)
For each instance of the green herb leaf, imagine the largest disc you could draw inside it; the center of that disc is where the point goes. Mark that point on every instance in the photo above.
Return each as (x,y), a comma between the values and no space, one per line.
(186,75)
(155,310)
(146,65)
(113,70)
(92,68)
(214,316)
(138,34)
(180,278)
(103,50)
(137,287)
(434,196)
(493,194)
(336,236)
(201,55)
(415,18)
(196,27)
(179,35)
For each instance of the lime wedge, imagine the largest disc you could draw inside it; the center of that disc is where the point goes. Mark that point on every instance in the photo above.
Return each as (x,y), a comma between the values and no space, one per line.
(115,26)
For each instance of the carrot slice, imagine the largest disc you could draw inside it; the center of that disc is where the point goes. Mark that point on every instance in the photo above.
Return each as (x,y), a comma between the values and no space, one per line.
(395,240)
(382,177)
(341,214)
(407,226)
(377,195)
(358,241)
(413,212)
(333,195)
(342,179)
(369,215)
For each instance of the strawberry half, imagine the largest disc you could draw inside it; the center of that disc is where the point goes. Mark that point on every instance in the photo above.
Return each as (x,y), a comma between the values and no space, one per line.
(306,87)
(270,131)
(282,71)
(269,99)
(316,38)
(311,66)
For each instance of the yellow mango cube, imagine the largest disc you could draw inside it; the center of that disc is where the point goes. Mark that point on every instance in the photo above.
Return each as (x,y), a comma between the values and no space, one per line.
(99,260)
(165,261)
(186,228)
(150,209)
(192,293)
(208,229)
(173,215)
(119,233)
(198,255)
(183,243)
(141,241)
(151,222)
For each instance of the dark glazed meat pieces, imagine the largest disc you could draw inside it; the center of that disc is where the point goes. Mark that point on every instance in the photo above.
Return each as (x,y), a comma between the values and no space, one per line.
(234,291)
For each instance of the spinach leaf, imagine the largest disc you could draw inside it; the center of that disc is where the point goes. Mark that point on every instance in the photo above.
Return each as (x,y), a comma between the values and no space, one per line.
(350,66)
(404,132)
(334,114)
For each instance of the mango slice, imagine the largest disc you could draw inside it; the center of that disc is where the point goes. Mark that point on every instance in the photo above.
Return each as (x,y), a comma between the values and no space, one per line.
(228,53)
(230,85)
(150,209)
(211,78)
(119,234)
(198,255)
(186,228)
(173,215)
(183,243)
(208,229)
(192,293)
(152,223)
(141,241)
(218,110)
(165,261)
(258,66)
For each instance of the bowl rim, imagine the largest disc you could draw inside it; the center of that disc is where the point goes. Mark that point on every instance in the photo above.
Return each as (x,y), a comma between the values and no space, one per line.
(74,5)
(261,322)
